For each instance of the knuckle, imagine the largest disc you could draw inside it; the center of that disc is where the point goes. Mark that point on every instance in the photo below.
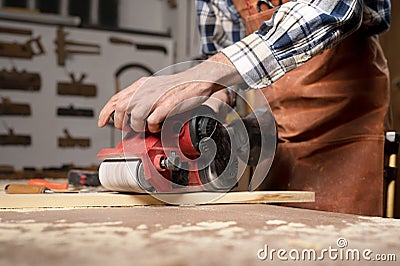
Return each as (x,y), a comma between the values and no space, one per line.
(135,116)
(154,119)
(114,98)
(120,108)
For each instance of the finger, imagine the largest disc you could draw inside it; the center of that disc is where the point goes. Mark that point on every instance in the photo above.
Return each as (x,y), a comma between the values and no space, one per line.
(107,110)
(154,127)
(126,125)
(104,116)
(138,116)
(171,104)
(119,118)
(217,101)
(156,118)
(221,95)
(138,125)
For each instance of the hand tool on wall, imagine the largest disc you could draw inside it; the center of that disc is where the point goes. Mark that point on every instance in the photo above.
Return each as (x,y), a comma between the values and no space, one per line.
(72,111)
(28,49)
(76,87)
(19,31)
(13,139)
(9,108)
(66,47)
(51,170)
(69,141)
(69,166)
(172,4)
(139,46)
(19,80)
(7,169)
(8,172)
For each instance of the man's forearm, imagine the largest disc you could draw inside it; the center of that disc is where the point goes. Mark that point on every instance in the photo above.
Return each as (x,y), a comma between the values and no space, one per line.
(217,70)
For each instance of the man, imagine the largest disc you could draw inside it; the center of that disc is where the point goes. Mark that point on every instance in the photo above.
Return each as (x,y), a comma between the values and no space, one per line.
(321,69)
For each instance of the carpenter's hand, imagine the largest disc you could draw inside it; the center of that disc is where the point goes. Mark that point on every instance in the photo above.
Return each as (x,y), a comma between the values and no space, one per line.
(151,99)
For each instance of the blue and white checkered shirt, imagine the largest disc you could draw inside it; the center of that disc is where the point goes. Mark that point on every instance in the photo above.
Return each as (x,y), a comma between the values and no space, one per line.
(297,31)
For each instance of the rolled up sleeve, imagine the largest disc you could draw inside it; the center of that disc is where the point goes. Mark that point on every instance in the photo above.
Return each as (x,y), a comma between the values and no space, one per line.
(297,31)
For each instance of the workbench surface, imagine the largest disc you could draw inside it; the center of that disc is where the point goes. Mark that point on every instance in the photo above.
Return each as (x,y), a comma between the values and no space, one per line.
(234,234)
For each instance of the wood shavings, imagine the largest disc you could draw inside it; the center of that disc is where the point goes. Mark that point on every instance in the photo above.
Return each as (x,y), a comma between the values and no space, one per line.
(298,243)
(89,239)
(142,227)
(232,232)
(296,225)
(175,231)
(275,222)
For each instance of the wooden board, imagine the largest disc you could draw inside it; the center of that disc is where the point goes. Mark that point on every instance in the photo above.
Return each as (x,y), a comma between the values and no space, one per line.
(105,199)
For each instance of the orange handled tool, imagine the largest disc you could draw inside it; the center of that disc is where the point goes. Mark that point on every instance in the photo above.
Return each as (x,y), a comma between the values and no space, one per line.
(47,184)
(25,189)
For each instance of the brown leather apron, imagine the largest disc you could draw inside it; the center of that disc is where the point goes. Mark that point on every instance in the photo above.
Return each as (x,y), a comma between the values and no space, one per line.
(330,114)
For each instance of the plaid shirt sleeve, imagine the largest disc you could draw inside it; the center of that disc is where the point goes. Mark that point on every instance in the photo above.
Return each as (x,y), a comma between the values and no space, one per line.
(299,30)
(219,25)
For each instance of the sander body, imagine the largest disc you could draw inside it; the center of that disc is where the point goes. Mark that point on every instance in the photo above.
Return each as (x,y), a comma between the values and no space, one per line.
(189,154)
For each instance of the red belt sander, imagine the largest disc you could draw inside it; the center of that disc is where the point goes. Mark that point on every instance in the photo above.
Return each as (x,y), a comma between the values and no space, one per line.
(191,153)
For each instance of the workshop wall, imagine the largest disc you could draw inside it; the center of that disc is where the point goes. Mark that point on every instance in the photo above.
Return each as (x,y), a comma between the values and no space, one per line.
(172,17)
(44,125)
(177,18)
